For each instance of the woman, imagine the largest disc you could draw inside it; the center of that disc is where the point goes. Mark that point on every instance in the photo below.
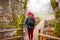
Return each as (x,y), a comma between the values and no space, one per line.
(30,22)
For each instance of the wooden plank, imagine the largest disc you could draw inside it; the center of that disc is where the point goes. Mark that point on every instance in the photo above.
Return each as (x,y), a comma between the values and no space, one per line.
(9,30)
(49,36)
(12,38)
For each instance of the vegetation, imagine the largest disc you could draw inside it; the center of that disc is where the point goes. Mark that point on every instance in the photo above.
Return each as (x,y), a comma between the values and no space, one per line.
(57,22)
(57,30)
(25,3)
(15,5)
(54,4)
(19,21)
(58,14)
(57,27)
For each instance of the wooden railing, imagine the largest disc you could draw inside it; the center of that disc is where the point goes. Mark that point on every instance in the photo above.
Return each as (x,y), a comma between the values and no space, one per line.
(13,37)
(45,37)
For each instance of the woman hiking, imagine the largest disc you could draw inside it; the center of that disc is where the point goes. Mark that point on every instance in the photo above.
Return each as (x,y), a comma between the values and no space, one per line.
(30,22)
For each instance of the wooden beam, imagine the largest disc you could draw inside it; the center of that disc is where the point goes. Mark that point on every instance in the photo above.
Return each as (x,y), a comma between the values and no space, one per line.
(48,36)
(9,30)
(12,38)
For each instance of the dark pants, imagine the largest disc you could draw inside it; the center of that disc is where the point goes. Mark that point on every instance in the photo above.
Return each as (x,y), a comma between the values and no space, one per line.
(30,33)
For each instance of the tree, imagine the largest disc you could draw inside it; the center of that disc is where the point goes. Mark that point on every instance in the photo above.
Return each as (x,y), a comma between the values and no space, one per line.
(56,8)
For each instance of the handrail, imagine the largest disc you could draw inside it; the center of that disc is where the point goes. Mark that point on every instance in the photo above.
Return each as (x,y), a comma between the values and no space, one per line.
(12,38)
(9,30)
(49,36)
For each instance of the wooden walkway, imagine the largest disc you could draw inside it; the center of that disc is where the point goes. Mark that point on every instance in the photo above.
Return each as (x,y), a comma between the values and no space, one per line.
(35,37)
